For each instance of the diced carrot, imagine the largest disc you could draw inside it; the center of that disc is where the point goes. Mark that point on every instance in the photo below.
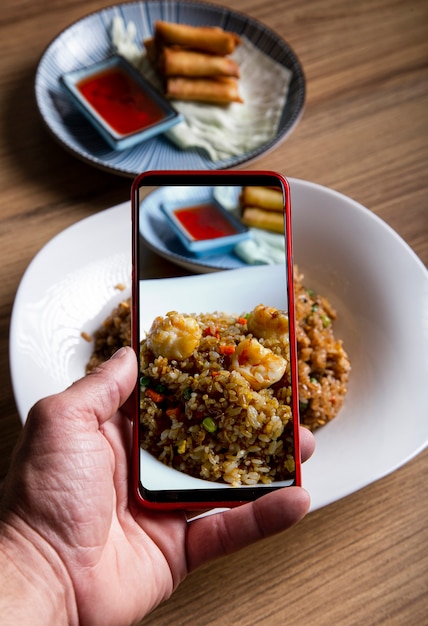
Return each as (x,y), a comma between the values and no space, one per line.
(173,411)
(155,395)
(226,349)
(241,320)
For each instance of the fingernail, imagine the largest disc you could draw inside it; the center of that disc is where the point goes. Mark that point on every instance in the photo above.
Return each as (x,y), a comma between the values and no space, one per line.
(120,353)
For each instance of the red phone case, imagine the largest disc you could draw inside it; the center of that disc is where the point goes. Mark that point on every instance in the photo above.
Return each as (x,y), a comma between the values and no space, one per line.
(232,496)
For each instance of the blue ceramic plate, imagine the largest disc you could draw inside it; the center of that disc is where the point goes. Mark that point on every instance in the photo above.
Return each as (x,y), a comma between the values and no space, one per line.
(88,41)
(161,237)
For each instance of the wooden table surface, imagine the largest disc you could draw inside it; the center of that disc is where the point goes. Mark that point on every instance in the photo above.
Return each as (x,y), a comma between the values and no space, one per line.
(364,559)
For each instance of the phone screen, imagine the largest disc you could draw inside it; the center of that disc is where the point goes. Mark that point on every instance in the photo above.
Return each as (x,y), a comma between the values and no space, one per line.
(216,402)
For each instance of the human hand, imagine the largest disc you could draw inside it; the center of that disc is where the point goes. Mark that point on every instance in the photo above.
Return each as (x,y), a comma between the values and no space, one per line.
(66,496)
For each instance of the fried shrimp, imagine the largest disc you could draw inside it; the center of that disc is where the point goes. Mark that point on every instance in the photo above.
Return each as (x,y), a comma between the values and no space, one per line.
(260,367)
(174,336)
(265,322)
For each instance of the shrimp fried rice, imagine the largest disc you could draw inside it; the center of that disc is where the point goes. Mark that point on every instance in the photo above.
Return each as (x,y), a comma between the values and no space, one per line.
(208,410)
(218,408)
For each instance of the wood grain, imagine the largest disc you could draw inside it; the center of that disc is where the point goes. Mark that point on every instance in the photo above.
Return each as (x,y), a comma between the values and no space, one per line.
(362,560)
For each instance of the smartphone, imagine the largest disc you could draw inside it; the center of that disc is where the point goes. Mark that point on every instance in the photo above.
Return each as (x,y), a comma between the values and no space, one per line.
(216,404)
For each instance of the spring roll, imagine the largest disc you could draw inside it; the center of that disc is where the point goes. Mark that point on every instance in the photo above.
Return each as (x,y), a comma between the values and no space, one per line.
(151,51)
(267,220)
(263,197)
(221,90)
(179,62)
(203,38)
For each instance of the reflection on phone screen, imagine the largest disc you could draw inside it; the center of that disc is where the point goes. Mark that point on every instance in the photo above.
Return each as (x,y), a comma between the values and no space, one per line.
(216,377)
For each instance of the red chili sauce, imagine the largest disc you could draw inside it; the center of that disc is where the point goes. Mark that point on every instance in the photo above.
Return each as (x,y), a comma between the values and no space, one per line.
(120,100)
(204,221)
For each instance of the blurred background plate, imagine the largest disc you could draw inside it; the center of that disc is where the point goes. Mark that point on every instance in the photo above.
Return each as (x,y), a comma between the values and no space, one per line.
(161,238)
(88,41)
(376,283)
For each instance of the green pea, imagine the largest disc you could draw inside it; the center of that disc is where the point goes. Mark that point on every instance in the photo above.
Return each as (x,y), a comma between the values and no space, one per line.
(209,425)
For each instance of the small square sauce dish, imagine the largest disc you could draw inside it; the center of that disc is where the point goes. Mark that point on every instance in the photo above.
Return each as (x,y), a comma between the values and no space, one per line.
(203,225)
(120,103)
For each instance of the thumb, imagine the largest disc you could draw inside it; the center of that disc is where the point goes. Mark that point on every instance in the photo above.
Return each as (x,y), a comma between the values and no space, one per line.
(102,392)
(56,422)
(97,396)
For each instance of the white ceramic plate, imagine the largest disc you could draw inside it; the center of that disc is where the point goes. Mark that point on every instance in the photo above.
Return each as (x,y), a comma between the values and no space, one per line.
(88,41)
(377,284)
